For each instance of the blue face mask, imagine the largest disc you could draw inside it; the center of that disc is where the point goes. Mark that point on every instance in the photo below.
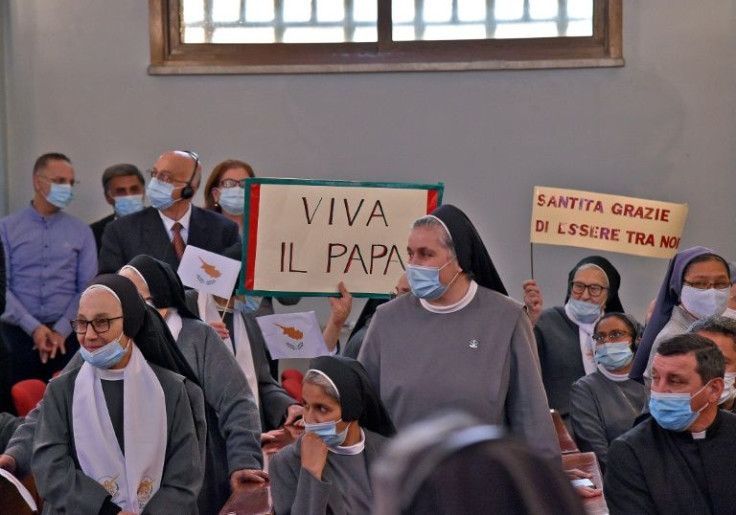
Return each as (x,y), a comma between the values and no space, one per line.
(327,431)
(128,204)
(425,281)
(672,410)
(232,200)
(249,305)
(585,312)
(106,356)
(160,194)
(60,195)
(613,355)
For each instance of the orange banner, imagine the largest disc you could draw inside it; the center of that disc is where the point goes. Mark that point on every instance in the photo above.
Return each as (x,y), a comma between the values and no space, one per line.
(607,222)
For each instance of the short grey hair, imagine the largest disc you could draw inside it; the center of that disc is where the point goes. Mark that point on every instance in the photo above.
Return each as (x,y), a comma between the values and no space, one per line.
(318,378)
(432,221)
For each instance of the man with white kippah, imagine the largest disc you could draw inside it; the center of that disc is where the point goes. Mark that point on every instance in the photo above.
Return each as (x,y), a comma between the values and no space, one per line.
(172,222)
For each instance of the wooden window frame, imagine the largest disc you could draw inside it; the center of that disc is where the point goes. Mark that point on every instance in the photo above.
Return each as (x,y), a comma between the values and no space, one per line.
(169,56)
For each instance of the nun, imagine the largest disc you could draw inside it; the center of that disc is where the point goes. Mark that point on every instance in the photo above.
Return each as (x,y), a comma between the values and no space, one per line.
(458,340)
(564,333)
(697,284)
(346,426)
(355,340)
(233,443)
(116,433)
(236,325)
(452,463)
(605,404)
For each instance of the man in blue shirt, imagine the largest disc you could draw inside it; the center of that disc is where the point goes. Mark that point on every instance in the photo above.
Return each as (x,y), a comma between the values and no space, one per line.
(50,259)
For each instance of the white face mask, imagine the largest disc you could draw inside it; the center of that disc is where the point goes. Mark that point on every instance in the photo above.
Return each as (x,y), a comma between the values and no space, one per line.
(703,303)
(728,390)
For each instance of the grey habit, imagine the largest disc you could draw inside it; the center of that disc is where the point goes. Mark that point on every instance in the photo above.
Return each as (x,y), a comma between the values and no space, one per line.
(20,446)
(273,400)
(67,489)
(558,343)
(601,410)
(233,441)
(344,488)
(481,358)
(678,323)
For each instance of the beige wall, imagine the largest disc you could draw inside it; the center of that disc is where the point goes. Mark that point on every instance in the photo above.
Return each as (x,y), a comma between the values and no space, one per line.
(662,127)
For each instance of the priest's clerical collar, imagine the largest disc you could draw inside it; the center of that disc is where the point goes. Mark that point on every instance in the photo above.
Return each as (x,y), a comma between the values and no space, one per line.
(712,429)
(699,435)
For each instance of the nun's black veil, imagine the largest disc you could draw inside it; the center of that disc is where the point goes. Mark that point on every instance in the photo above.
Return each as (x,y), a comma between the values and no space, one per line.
(146,327)
(472,254)
(366,314)
(358,400)
(167,290)
(613,303)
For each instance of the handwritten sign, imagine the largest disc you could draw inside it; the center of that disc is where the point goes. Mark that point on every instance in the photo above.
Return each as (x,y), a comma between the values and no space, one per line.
(607,222)
(302,237)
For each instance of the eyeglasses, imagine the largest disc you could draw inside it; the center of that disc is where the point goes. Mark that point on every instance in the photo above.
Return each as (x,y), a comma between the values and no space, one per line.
(100,325)
(58,180)
(231,183)
(594,289)
(703,285)
(163,176)
(613,336)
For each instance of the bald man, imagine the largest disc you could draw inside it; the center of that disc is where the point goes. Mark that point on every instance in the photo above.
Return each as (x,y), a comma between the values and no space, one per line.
(172,222)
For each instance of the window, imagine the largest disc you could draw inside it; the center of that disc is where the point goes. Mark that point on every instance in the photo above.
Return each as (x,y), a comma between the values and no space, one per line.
(297,36)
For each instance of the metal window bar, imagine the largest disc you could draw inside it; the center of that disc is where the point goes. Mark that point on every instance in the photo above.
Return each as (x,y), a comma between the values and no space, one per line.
(419,23)
(279,23)
(349,24)
(562,20)
(490,19)
(349,21)
(208,23)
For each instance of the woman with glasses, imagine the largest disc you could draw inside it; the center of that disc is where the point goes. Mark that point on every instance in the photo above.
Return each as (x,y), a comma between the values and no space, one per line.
(697,284)
(604,404)
(225,194)
(225,189)
(564,333)
(117,434)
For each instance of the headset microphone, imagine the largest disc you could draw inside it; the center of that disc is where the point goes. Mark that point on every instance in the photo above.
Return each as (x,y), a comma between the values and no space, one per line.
(187,191)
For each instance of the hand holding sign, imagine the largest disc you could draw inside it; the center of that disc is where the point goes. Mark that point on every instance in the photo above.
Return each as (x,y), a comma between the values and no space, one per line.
(340,308)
